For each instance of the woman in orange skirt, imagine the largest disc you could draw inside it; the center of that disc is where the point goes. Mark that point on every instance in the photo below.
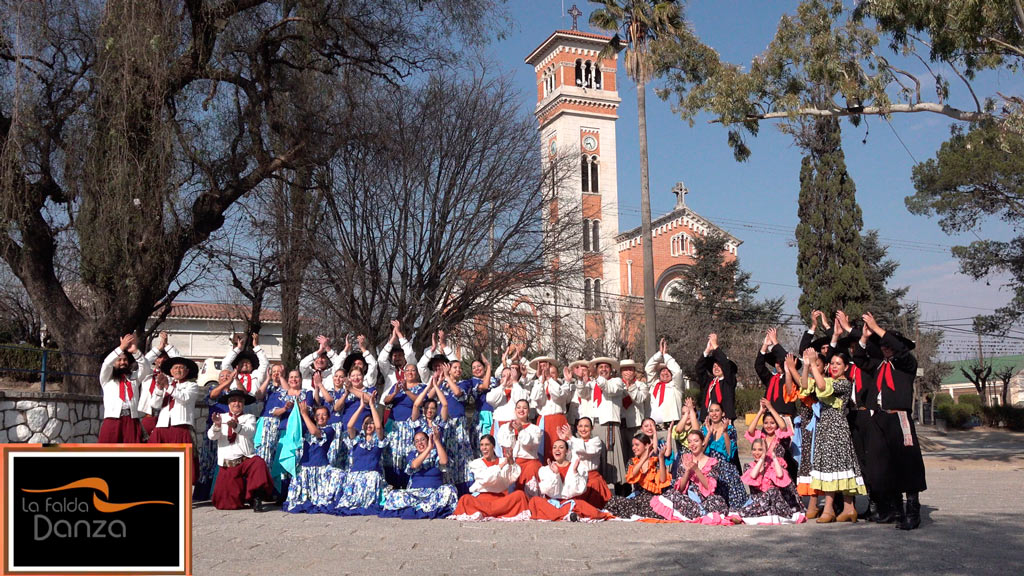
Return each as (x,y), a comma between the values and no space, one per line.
(520,439)
(489,496)
(561,484)
(588,450)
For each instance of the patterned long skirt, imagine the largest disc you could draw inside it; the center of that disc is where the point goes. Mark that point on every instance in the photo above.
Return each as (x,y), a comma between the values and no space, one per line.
(834,465)
(636,504)
(729,485)
(362,493)
(690,505)
(808,422)
(266,444)
(420,503)
(770,503)
(399,439)
(337,452)
(314,489)
(460,453)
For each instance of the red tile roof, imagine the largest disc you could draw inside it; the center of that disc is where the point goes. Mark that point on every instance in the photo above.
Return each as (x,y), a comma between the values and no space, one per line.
(218,311)
(584,34)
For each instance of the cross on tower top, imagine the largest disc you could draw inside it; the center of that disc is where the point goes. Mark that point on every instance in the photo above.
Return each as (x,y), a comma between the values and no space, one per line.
(680,191)
(575,13)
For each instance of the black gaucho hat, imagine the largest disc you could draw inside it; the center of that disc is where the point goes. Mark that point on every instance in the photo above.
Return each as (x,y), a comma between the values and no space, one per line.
(436,360)
(190,366)
(246,355)
(877,340)
(237,393)
(351,360)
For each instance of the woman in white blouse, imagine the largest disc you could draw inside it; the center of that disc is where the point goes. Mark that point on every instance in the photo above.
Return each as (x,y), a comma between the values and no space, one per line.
(520,440)
(489,496)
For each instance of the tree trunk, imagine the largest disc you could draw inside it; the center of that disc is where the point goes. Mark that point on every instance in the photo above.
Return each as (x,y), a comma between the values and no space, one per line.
(650,324)
(295,255)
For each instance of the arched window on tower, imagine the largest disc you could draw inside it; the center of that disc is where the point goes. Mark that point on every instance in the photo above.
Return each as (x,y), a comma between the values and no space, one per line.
(597,294)
(593,175)
(595,241)
(585,173)
(586,235)
(586,294)
(579,73)
(597,76)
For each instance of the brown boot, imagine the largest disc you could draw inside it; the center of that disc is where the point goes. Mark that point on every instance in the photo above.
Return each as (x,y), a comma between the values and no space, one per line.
(812,508)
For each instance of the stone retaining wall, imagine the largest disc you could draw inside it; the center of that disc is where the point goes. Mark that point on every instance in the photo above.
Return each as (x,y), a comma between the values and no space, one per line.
(58,418)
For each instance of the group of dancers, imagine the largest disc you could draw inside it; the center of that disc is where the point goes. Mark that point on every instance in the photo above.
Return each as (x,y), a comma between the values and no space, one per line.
(350,433)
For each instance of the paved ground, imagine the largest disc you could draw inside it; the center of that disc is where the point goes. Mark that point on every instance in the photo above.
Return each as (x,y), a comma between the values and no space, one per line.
(973,523)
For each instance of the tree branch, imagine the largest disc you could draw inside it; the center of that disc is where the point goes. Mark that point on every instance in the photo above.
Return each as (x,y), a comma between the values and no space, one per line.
(838,112)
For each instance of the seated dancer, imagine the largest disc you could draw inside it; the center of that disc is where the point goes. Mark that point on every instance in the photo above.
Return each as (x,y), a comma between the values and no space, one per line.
(695,494)
(161,351)
(250,366)
(317,485)
(776,445)
(489,496)
(588,450)
(687,420)
(549,397)
(426,496)
(834,466)
(522,439)
(766,475)
(720,443)
(665,380)
(243,476)
(322,361)
(561,486)
(364,488)
(174,401)
(649,476)
(121,375)
(649,427)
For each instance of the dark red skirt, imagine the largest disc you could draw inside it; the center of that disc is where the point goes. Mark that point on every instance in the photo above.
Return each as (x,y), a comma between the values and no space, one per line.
(123,430)
(492,505)
(240,484)
(180,434)
(148,424)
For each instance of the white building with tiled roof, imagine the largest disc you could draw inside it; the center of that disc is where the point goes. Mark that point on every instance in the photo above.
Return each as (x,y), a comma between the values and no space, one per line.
(201,330)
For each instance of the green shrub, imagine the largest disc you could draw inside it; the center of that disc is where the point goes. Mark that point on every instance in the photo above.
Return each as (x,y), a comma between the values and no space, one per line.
(969,399)
(942,399)
(748,400)
(958,415)
(1010,416)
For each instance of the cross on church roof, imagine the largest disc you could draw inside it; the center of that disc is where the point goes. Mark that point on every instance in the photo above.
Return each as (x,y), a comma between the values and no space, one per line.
(680,191)
(575,13)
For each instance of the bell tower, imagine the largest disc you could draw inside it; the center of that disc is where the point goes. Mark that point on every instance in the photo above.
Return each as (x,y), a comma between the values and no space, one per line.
(577,105)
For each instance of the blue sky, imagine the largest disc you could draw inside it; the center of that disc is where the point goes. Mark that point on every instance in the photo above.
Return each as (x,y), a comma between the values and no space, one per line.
(757,200)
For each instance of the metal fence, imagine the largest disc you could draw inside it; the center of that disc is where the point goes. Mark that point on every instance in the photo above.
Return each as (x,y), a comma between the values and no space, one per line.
(46,363)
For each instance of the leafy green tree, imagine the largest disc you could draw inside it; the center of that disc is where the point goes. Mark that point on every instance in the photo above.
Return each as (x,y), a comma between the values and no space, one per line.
(642,29)
(976,175)
(830,268)
(885,302)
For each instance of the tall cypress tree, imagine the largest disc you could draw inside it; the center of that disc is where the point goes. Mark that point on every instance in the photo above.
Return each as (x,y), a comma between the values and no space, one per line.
(830,268)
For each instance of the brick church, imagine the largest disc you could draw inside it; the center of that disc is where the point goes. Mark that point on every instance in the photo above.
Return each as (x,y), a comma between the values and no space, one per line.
(577,107)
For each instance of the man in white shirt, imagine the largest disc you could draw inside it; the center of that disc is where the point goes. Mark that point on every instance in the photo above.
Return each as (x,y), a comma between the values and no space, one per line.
(323,360)
(393,358)
(361,358)
(244,476)
(173,402)
(161,351)
(121,375)
(251,366)
(665,379)
(605,390)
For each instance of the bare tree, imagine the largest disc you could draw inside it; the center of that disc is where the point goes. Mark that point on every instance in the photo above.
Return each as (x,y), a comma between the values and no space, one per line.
(128,128)
(978,375)
(1005,375)
(441,211)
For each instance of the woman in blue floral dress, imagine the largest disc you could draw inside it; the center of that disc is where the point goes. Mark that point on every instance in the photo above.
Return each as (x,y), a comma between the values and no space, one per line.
(456,435)
(427,496)
(317,484)
(349,397)
(399,400)
(364,487)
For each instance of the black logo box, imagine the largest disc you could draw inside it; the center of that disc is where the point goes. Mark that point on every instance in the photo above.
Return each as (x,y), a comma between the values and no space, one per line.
(64,530)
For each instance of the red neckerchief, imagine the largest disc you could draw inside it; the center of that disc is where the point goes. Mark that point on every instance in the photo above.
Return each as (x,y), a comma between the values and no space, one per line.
(885,374)
(247,378)
(659,392)
(627,401)
(597,394)
(125,388)
(716,386)
(232,435)
(855,375)
(168,399)
(773,388)
(152,383)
